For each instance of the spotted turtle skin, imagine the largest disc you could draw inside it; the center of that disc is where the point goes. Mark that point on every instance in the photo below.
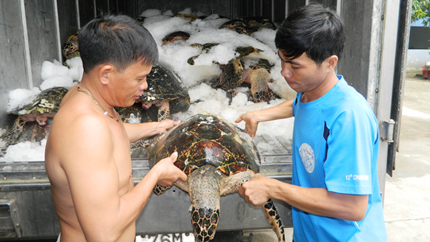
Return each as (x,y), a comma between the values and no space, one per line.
(218,158)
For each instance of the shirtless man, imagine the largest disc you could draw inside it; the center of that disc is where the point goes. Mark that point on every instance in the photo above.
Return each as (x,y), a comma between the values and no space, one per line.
(88,150)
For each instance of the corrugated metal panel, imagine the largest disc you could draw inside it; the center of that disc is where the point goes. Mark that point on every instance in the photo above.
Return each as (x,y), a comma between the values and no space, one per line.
(13,73)
(42,36)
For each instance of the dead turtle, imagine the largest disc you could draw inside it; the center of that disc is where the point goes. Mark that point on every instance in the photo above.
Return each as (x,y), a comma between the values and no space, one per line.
(71,47)
(44,106)
(218,158)
(257,75)
(254,24)
(248,25)
(166,91)
(240,51)
(177,35)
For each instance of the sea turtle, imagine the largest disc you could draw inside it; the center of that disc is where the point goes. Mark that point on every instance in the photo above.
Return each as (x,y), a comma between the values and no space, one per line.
(248,25)
(218,158)
(174,36)
(256,74)
(190,17)
(237,25)
(71,47)
(165,89)
(240,51)
(43,107)
(204,48)
(254,24)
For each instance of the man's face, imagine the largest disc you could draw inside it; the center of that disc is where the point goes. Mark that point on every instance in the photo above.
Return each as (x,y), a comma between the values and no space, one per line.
(130,83)
(302,73)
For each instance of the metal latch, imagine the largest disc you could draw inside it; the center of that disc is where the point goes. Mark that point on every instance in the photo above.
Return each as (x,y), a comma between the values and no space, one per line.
(387,131)
(9,219)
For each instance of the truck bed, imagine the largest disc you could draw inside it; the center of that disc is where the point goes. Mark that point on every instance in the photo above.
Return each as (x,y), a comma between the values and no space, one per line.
(27,210)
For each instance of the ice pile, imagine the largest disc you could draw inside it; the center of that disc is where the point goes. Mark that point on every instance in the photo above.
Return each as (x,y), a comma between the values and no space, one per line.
(175,55)
(53,74)
(204,97)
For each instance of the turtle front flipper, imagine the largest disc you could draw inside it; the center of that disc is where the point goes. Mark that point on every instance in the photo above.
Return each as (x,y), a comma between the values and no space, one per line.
(274,219)
(160,189)
(259,87)
(232,183)
(163,110)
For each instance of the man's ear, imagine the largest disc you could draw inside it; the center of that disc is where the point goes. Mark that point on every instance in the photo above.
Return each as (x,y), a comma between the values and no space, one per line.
(105,73)
(332,61)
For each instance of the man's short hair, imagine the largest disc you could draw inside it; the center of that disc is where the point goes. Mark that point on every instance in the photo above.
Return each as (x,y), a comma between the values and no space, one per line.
(116,39)
(314,30)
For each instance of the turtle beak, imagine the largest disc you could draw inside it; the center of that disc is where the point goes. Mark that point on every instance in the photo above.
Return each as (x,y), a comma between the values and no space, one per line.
(205,221)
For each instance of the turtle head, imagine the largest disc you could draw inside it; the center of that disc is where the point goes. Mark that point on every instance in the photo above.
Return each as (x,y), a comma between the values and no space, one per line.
(204,189)
(205,221)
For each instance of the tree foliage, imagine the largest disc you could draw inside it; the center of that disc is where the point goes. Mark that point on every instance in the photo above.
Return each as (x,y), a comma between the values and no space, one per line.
(421,10)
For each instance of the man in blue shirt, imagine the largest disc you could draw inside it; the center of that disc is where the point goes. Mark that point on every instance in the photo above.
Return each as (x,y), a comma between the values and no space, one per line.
(334,192)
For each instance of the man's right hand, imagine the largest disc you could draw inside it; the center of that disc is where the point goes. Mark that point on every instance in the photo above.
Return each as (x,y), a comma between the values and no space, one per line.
(250,123)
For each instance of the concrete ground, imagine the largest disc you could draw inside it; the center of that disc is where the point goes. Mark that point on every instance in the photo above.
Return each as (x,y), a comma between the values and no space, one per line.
(407,200)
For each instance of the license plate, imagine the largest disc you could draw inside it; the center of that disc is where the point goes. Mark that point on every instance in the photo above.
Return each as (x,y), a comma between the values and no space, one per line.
(177,237)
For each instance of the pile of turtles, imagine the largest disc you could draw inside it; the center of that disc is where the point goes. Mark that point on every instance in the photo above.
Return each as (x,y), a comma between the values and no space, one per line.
(166,93)
(33,120)
(234,74)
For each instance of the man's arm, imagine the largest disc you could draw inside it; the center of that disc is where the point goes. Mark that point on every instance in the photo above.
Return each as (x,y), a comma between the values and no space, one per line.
(280,111)
(94,180)
(317,201)
(145,130)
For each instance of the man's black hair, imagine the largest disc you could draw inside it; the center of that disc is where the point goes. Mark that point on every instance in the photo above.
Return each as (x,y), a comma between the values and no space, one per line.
(314,30)
(116,39)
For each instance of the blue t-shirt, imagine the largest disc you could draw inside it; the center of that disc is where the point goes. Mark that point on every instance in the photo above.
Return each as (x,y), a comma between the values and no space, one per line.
(335,146)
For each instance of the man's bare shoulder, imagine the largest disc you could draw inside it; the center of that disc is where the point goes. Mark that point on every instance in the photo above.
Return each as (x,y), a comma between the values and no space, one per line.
(78,126)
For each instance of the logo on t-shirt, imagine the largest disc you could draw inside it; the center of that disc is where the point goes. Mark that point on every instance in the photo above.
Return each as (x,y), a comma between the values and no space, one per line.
(308,158)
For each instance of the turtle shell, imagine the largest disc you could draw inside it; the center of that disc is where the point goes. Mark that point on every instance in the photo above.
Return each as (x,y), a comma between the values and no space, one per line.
(48,101)
(177,35)
(163,84)
(248,25)
(207,139)
(238,25)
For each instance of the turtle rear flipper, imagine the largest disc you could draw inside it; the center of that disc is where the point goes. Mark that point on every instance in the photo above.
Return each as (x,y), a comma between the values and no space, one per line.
(274,219)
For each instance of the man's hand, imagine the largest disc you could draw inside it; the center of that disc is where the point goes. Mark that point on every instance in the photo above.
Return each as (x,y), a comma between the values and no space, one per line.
(168,172)
(165,125)
(256,190)
(250,123)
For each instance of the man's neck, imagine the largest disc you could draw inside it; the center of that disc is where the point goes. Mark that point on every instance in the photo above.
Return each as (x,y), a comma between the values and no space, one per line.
(325,86)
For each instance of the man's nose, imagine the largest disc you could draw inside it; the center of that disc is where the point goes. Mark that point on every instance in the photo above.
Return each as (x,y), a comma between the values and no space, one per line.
(144,86)
(286,73)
